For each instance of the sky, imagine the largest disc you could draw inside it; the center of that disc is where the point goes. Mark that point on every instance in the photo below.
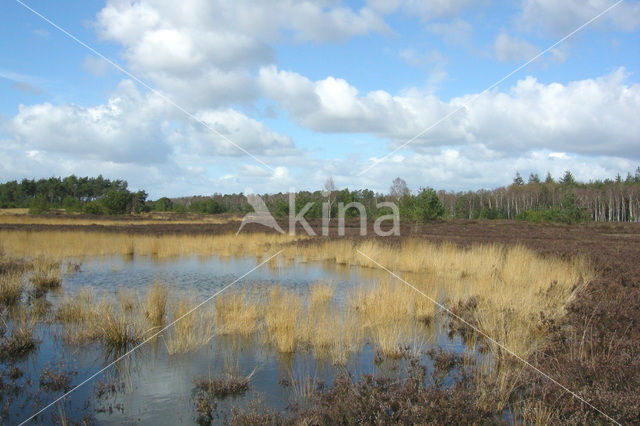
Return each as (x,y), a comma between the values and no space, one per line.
(212,96)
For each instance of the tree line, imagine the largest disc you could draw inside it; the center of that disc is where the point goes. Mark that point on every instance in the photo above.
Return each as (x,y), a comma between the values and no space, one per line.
(536,200)
(74,194)
(562,200)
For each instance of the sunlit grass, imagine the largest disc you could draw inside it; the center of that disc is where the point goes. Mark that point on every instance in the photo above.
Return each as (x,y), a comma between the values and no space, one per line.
(11,288)
(190,330)
(156,304)
(235,314)
(514,291)
(59,245)
(19,217)
(46,274)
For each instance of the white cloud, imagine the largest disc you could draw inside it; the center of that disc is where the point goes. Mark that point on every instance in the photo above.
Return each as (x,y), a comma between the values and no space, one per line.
(203,52)
(561,17)
(591,117)
(250,134)
(475,167)
(510,49)
(125,129)
(139,130)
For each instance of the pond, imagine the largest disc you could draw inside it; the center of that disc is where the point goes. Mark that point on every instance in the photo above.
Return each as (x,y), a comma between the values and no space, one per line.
(151,385)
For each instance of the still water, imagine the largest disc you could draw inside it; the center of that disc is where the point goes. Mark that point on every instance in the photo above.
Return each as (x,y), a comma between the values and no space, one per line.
(149,386)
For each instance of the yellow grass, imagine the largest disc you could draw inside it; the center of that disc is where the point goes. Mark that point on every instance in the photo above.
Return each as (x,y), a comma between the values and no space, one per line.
(10,288)
(156,304)
(18,217)
(512,285)
(191,331)
(113,321)
(59,245)
(236,315)
(13,212)
(320,295)
(516,290)
(117,328)
(78,308)
(282,319)
(46,274)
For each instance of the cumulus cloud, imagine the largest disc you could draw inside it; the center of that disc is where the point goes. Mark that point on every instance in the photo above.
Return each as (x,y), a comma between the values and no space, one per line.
(592,116)
(139,128)
(561,17)
(246,132)
(202,53)
(125,129)
(476,167)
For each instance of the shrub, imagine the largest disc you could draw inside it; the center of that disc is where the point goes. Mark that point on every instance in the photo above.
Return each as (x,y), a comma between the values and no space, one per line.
(94,208)
(115,202)
(163,204)
(208,206)
(39,205)
(424,207)
(71,204)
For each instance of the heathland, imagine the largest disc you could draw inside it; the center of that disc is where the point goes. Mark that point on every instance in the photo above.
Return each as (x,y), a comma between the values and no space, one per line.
(562,297)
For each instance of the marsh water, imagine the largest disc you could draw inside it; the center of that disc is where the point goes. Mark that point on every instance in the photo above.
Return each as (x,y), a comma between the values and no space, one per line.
(151,386)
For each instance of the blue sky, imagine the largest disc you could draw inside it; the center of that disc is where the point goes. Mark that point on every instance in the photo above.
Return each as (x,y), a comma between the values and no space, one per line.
(318,89)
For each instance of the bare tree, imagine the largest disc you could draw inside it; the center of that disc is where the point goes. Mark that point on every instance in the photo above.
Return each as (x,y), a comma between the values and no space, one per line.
(328,190)
(398,188)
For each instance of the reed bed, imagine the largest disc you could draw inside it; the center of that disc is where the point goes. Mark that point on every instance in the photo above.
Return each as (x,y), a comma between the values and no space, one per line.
(514,291)
(25,219)
(508,293)
(58,245)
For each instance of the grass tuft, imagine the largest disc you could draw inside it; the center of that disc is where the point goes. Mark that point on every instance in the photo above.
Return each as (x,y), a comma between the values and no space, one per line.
(156,304)
(10,288)
(46,274)
(20,342)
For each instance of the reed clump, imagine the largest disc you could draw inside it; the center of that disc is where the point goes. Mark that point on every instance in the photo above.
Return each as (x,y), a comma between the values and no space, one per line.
(11,288)
(112,321)
(46,274)
(156,304)
(320,294)
(20,341)
(191,329)
(223,386)
(78,308)
(281,319)
(117,328)
(237,315)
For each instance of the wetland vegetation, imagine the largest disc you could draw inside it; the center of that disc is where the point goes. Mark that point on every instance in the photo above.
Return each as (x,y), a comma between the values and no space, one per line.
(284,347)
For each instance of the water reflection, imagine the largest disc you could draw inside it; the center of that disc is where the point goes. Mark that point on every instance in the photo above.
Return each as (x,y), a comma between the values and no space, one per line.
(150,385)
